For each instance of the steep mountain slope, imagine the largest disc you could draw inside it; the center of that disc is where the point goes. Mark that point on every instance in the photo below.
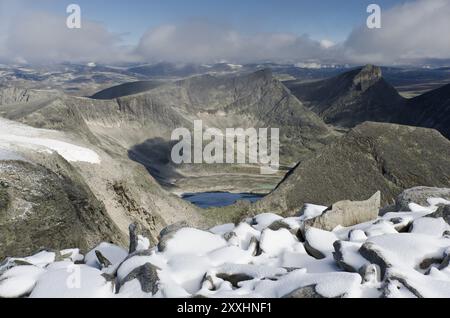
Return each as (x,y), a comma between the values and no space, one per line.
(143,123)
(165,69)
(43,208)
(255,100)
(113,129)
(126,89)
(430,110)
(371,157)
(351,98)
(12,95)
(121,189)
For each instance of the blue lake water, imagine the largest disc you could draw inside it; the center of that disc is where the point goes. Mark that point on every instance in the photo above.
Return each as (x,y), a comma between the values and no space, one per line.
(206,200)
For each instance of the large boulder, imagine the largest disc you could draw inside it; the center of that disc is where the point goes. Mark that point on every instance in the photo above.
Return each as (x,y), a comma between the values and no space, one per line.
(420,195)
(347,213)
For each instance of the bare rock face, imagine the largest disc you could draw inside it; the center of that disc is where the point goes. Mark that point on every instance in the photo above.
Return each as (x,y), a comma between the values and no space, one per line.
(347,213)
(368,76)
(13,95)
(419,195)
(351,98)
(371,157)
(42,209)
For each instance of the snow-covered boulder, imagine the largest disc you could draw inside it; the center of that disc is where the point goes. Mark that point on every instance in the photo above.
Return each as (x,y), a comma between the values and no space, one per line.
(420,196)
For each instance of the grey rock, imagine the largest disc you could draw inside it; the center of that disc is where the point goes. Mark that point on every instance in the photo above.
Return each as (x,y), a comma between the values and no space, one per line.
(387,209)
(428,262)
(254,247)
(370,252)
(208,279)
(42,208)
(419,195)
(278,225)
(173,228)
(442,212)
(304,292)
(347,213)
(312,251)
(104,262)
(401,225)
(147,275)
(234,279)
(370,273)
(168,233)
(392,281)
(446,262)
(228,236)
(133,238)
(339,258)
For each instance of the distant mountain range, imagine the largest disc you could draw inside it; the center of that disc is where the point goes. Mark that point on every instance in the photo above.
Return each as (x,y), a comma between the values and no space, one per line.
(87,79)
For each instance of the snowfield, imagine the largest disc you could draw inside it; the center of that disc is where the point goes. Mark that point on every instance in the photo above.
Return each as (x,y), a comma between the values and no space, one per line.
(398,255)
(14,136)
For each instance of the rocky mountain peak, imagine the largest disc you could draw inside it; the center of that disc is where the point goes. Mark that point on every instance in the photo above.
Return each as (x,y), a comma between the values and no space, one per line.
(265,74)
(367,76)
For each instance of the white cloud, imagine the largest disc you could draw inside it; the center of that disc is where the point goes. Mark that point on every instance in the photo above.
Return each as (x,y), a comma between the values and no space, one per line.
(44,37)
(202,41)
(326,44)
(410,32)
(413,31)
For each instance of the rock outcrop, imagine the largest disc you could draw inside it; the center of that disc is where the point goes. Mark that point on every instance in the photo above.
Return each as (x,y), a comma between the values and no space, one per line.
(420,195)
(371,157)
(351,98)
(347,213)
(40,208)
(363,95)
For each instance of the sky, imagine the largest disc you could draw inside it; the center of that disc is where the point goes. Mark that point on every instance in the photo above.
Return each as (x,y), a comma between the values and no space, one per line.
(239,31)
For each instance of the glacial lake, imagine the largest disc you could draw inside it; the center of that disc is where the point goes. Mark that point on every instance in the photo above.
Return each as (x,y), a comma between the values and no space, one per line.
(206,200)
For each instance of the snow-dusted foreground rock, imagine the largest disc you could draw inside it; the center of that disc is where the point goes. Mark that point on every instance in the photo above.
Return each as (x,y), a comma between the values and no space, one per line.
(401,254)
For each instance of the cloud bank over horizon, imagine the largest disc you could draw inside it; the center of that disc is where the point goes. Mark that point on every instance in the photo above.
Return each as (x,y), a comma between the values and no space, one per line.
(411,33)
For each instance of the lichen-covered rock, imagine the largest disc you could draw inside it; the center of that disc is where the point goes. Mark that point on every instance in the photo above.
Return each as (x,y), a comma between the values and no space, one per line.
(347,213)
(41,209)
(420,195)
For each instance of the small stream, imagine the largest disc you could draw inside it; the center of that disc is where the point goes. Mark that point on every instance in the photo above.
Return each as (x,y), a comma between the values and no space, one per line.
(206,200)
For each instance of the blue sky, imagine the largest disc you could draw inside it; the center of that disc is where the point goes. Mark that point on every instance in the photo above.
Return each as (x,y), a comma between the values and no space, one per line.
(321,19)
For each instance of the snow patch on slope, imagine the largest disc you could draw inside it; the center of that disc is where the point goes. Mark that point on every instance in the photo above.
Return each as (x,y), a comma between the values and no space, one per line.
(14,135)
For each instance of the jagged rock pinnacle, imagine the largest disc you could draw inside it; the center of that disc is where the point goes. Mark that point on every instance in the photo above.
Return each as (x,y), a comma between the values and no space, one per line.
(368,76)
